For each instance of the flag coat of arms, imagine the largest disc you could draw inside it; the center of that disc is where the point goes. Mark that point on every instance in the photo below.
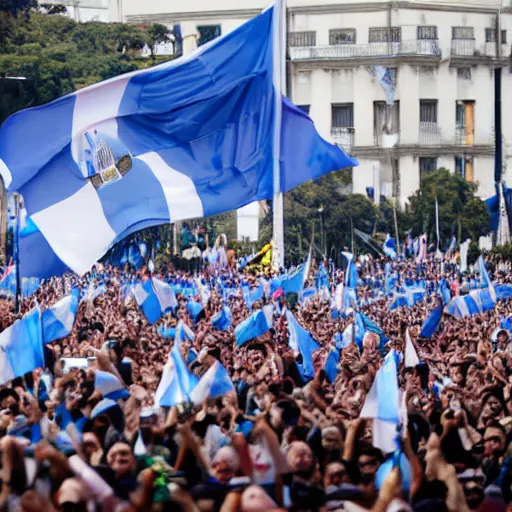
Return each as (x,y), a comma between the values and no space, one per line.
(186,139)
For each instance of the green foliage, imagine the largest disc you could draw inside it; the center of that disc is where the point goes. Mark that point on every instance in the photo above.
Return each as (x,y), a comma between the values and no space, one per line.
(459,209)
(319,209)
(156,34)
(58,56)
(503,252)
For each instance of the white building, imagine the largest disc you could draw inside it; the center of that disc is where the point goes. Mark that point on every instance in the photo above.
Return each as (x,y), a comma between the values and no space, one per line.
(89,10)
(443,53)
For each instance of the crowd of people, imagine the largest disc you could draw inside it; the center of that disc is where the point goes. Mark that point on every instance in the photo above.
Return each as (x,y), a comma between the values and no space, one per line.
(86,433)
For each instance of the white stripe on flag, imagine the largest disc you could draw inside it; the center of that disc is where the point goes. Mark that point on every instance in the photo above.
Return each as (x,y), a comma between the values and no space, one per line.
(180,192)
(77,229)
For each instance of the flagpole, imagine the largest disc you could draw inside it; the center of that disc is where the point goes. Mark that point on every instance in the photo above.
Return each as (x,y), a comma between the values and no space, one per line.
(396,230)
(279,81)
(16,251)
(437,223)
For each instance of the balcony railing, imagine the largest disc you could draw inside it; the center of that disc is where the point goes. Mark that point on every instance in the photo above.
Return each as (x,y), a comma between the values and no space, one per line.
(430,134)
(344,138)
(424,47)
(469,48)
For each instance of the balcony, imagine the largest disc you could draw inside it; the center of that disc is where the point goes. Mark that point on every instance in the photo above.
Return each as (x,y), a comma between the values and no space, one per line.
(432,141)
(466,51)
(343,138)
(422,49)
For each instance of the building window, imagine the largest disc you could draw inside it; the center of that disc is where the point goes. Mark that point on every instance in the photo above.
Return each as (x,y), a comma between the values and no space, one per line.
(427,32)
(464,73)
(428,111)
(460,166)
(306,38)
(428,164)
(463,33)
(207,33)
(304,108)
(343,115)
(342,36)
(490,36)
(386,120)
(385,35)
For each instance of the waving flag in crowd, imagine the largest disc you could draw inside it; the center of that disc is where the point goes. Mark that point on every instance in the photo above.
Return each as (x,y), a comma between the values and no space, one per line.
(186,139)
(21,347)
(58,321)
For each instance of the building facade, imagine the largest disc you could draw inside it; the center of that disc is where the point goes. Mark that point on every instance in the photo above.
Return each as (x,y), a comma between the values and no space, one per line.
(89,10)
(442,54)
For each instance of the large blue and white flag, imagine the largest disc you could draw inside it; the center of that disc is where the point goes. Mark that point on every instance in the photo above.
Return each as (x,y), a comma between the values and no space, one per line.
(214,383)
(59,319)
(154,298)
(189,138)
(21,347)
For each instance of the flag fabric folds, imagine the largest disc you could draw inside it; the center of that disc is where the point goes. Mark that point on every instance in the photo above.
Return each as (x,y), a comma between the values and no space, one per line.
(214,383)
(477,301)
(222,320)
(154,298)
(293,281)
(382,405)
(189,138)
(432,323)
(351,272)
(177,383)
(485,279)
(59,319)
(331,365)
(389,247)
(411,356)
(21,347)
(301,341)
(255,325)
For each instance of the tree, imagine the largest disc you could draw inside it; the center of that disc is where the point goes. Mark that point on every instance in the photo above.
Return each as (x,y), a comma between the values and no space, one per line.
(321,211)
(460,212)
(156,33)
(57,56)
